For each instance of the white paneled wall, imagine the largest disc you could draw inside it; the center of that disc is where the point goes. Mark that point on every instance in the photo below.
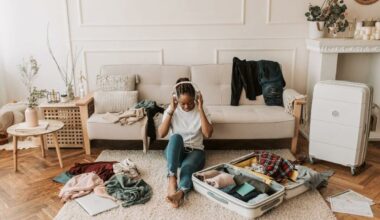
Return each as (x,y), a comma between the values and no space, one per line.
(159,32)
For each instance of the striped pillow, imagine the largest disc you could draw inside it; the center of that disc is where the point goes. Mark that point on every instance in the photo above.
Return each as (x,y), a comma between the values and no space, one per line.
(114,101)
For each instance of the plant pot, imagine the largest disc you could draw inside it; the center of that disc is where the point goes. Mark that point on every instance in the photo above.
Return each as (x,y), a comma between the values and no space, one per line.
(70,92)
(316,29)
(31,117)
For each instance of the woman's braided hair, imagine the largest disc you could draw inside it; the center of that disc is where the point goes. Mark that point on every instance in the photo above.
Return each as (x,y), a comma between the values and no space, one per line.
(185,88)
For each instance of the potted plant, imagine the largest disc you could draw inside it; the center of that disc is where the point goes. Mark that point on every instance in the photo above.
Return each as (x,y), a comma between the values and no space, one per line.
(332,15)
(66,72)
(29,70)
(31,114)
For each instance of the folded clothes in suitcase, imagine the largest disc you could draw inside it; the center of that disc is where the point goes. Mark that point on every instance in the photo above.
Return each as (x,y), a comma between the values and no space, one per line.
(292,188)
(250,195)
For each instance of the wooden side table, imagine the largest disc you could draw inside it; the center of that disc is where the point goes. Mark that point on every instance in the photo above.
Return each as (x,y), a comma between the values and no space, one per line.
(72,134)
(53,127)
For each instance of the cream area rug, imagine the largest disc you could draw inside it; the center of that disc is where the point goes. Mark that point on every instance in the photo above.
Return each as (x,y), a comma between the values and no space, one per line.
(152,166)
(28,142)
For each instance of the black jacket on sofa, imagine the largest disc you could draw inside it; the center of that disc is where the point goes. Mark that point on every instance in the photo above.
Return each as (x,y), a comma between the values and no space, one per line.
(244,75)
(257,77)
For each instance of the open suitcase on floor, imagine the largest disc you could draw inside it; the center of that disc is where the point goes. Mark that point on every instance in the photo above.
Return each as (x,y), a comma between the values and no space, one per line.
(228,201)
(292,189)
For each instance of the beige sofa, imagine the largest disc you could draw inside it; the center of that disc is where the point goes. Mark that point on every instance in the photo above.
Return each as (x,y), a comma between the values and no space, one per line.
(249,120)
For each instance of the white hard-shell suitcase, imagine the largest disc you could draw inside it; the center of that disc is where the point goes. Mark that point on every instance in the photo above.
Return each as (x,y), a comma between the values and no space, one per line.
(339,123)
(242,208)
(292,189)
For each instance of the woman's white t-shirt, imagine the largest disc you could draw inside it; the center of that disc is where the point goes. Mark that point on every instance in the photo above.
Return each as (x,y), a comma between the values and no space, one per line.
(188,125)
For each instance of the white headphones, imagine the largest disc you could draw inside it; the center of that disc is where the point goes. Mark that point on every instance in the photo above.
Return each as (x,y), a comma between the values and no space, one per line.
(196,88)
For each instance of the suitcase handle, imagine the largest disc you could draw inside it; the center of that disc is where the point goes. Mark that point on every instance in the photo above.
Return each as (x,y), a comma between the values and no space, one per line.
(270,205)
(217,197)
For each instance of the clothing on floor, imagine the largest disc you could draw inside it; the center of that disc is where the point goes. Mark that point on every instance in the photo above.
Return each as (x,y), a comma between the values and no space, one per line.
(102,192)
(103,169)
(220,181)
(63,177)
(258,198)
(80,185)
(244,75)
(275,166)
(208,174)
(128,190)
(271,81)
(127,167)
(151,109)
(189,161)
(312,178)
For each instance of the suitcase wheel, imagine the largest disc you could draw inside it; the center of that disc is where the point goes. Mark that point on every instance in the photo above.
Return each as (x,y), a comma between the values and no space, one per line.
(355,170)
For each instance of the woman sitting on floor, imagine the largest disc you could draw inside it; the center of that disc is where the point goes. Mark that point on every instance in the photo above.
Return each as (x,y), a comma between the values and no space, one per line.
(187,124)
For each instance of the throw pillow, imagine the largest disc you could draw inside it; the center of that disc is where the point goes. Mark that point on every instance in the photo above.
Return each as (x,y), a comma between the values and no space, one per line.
(6,120)
(116,82)
(114,101)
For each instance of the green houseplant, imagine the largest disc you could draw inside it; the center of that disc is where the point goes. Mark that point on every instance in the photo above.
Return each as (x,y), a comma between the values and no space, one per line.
(29,69)
(332,14)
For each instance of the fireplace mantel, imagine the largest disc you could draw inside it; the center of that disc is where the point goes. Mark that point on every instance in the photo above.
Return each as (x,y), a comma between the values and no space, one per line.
(343,45)
(323,65)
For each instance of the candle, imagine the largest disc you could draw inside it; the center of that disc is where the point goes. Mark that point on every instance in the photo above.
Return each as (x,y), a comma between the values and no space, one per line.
(367,30)
(377,24)
(377,36)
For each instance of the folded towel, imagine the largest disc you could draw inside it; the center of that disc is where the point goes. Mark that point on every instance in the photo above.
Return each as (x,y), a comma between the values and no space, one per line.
(207,175)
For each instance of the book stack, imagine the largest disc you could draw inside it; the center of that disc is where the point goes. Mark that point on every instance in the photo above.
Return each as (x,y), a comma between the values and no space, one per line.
(42,126)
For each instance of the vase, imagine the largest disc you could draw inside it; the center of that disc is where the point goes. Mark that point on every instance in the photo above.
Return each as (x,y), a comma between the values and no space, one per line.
(31,117)
(316,29)
(70,92)
(333,31)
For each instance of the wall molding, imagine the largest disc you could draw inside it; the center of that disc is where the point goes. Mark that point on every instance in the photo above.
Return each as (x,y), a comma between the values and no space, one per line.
(331,45)
(269,17)
(85,52)
(345,49)
(195,39)
(292,50)
(82,24)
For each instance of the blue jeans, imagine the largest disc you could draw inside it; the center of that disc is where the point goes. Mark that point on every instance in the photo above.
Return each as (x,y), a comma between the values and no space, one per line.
(179,157)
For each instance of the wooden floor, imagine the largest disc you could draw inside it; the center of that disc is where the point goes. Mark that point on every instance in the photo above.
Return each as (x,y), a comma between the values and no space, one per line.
(31,194)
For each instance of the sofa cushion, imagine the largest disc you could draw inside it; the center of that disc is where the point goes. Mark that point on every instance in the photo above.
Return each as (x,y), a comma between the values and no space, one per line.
(214,81)
(155,81)
(251,122)
(248,114)
(116,82)
(247,122)
(99,128)
(114,101)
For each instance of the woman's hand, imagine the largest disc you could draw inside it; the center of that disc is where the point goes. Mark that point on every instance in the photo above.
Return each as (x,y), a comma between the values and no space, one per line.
(173,104)
(200,101)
